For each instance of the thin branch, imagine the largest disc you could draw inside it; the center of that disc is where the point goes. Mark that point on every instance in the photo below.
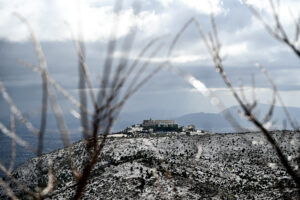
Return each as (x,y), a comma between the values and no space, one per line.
(13,144)
(43,66)
(17,139)
(269,114)
(278,31)
(139,73)
(82,71)
(79,46)
(62,127)
(16,111)
(219,66)
(197,84)
(242,92)
(269,78)
(109,56)
(254,102)
(43,114)
(110,119)
(51,180)
(297,28)
(58,87)
(134,64)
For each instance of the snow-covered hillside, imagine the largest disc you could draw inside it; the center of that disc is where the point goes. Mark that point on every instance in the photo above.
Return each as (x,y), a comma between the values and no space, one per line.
(213,166)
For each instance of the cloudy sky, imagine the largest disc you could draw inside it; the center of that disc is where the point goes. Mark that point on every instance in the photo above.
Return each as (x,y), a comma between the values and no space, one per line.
(244,43)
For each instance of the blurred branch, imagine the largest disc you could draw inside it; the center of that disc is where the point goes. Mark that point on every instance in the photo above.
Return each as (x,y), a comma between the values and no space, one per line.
(277,31)
(16,111)
(53,99)
(43,66)
(17,139)
(13,144)
(269,78)
(51,181)
(109,55)
(197,84)
(62,127)
(105,113)
(58,87)
(79,46)
(215,53)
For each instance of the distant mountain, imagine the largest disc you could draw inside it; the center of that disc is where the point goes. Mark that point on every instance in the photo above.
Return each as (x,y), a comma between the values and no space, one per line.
(218,123)
(207,121)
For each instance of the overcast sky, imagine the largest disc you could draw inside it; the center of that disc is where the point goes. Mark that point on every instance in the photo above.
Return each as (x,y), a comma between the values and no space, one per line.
(244,41)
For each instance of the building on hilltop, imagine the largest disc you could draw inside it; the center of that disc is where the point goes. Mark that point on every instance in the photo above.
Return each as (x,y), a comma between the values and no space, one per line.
(160,125)
(153,126)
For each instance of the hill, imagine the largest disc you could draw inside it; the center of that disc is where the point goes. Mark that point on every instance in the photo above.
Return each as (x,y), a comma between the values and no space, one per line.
(215,166)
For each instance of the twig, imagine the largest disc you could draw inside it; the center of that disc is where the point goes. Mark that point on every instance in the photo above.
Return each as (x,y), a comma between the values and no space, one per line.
(13,144)
(17,139)
(269,78)
(278,31)
(51,180)
(79,46)
(58,87)
(197,84)
(248,113)
(16,111)
(43,66)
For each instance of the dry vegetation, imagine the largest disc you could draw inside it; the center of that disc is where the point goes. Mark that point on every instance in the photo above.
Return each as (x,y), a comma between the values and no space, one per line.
(109,100)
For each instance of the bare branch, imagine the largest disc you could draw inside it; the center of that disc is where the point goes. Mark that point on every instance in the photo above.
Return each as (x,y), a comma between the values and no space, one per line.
(297,28)
(18,140)
(269,114)
(58,87)
(254,102)
(51,180)
(138,74)
(16,111)
(109,56)
(13,144)
(248,113)
(79,46)
(197,84)
(269,78)
(242,92)
(278,31)
(62,127)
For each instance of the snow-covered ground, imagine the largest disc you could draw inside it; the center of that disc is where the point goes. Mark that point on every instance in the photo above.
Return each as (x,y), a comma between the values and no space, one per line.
(211,166)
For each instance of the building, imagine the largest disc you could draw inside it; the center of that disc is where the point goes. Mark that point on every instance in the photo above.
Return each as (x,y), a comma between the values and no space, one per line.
(160,125)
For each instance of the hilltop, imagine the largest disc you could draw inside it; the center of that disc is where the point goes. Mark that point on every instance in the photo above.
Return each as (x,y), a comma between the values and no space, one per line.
(212,166)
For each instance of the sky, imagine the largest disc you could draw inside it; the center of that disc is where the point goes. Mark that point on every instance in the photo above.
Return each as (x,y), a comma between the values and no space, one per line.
(244,41)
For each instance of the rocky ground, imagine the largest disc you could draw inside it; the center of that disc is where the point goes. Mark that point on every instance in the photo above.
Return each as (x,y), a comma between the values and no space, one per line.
(213,166)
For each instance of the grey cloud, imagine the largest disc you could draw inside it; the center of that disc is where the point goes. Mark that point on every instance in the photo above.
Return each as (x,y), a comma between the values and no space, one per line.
(25,85)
